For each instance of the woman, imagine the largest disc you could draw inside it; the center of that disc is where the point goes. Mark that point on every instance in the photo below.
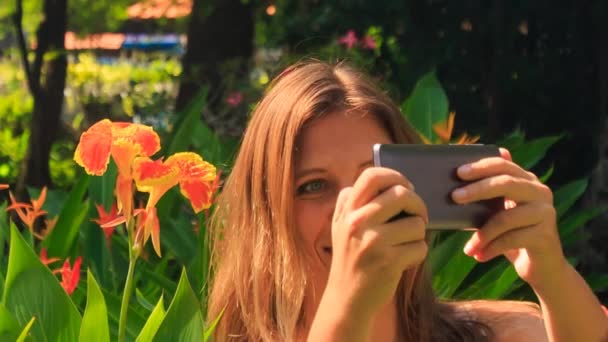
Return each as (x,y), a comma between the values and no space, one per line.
(303,249)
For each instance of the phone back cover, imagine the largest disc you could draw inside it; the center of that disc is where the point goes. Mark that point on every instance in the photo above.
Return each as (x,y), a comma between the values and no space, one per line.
(432,170)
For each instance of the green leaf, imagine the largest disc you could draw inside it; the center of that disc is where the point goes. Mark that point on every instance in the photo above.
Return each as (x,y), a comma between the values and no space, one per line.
(451,265)
(209,330)
(565,197)
(198,269)
(95,320)
(26,331)
(531,152)
(443,251)
(101,191)
(141,299)
(176,231)
(544,178)
(62,239)
(4,235)
(184,320)
(32,290)
(504,284)
(427,105)
(569,225)
(9,328)
(153,323)
(597,281)
(513,140)
(182,136)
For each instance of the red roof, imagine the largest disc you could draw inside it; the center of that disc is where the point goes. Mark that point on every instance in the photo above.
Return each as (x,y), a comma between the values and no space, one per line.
(155,9)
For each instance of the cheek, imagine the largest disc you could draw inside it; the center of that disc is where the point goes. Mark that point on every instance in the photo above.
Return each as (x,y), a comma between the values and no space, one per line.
(313,218)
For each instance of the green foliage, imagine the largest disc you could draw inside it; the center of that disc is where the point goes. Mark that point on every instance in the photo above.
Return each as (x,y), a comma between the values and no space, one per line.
(30,290)
(9,327)
(94,321)
(183,320)
(154,321)
(427,105)
(62,238)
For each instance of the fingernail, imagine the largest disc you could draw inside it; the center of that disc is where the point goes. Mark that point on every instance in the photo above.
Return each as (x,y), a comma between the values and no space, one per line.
(464,169)
(459,193)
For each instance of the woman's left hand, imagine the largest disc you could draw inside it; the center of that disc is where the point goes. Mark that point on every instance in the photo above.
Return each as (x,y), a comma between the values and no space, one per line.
(526,232)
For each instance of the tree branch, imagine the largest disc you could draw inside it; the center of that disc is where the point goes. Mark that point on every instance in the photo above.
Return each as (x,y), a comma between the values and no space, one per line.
(32,83)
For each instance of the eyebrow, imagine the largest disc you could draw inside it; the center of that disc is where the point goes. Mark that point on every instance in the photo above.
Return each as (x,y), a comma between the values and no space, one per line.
(306,172)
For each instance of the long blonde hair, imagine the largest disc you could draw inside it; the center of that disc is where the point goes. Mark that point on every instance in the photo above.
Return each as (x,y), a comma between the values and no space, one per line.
(259,269)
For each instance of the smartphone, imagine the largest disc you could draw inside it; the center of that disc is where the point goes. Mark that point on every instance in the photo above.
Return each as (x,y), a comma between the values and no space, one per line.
(432,170)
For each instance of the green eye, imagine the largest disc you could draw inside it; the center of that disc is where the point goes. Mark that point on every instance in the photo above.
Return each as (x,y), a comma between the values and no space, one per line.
(311,187)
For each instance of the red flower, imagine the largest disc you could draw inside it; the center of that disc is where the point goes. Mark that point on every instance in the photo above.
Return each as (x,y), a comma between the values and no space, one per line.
(349,39)
(108,220)
(369,43)
(70,276)
(46,261)
(234,98)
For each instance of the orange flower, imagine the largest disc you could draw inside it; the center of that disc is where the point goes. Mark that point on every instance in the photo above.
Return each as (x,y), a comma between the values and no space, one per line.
(123,141)
(108,220)
(196,177)
(4,186)
(444,130)
(28,213)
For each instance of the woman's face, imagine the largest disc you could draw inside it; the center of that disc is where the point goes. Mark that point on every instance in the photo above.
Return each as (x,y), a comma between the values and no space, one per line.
(332,153)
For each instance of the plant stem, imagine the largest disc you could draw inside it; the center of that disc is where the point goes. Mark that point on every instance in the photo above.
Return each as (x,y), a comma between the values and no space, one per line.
(126,296)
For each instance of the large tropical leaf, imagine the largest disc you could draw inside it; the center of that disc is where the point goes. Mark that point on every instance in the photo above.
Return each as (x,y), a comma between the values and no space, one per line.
(184,320)
(427,105)
(95,320)
(153,323)
(530,153)
(62,239)
(32,290)
(9,327)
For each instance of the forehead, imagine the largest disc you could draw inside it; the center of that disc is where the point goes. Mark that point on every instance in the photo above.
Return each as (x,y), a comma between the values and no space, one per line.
(337,138)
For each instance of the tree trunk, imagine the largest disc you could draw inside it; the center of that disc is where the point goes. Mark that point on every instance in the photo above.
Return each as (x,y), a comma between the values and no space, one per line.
(49,74)
(217,34)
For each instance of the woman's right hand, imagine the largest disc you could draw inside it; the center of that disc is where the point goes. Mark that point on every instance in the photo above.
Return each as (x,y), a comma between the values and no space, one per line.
(370,254)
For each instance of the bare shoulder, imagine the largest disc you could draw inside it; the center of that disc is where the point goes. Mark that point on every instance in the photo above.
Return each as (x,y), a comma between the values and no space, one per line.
(509,320)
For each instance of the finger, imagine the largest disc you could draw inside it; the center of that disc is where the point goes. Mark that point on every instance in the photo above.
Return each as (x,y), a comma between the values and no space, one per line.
(506,154)
(493,166)
(396,233)
(412,253)
(502,222)
(342,197)
(371,182)
(506,243)
(517,189)
(391,202)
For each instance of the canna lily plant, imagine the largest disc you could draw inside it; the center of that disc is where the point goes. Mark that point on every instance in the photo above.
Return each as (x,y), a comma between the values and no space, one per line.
(130,146)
